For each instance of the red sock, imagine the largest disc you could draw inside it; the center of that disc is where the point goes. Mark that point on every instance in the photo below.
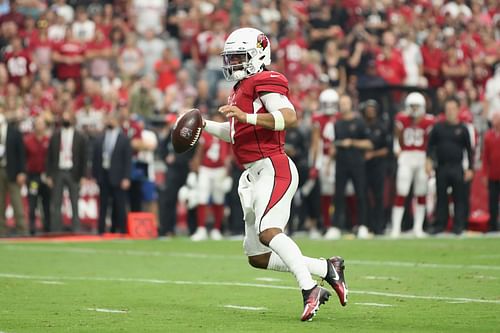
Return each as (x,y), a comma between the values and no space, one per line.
(218,211)
(326,202)
(202,215)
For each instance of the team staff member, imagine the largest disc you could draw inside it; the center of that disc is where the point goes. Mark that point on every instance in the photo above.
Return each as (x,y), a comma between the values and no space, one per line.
(37,145)
(376,160)
(351,143)
(447,142)
(178,168)
(111,164)
(66,166)
(12,172)
(491,166)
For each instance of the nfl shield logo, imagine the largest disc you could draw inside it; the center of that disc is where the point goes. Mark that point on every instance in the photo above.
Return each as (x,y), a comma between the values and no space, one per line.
(186,133)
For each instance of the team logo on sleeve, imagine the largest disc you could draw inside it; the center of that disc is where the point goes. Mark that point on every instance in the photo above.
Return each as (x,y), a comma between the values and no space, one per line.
(262,41)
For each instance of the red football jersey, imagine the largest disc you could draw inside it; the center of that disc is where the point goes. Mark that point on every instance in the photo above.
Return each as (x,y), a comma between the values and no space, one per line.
(215,151)
(326,125)
(414,134)
(18,65)
(252,143)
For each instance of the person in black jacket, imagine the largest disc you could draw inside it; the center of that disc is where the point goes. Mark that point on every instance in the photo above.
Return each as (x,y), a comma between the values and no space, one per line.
(178,167)
(376,161)
(351,143)
(447,142)
(66,166)
(12,173)
(111,166)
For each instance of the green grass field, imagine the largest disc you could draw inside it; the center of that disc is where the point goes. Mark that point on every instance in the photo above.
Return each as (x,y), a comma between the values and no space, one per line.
(431,285)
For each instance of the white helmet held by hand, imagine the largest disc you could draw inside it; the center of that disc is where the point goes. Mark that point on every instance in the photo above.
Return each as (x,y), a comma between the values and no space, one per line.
(415,104)
(329,101)
(246,52)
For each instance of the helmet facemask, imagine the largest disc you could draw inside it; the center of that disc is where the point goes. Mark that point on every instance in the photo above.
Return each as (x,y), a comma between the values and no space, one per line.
(329,107)
(238,65)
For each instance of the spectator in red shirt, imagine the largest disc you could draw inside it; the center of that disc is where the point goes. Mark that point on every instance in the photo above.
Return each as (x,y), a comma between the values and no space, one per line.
(491,166)
(18,62)
(98,54)
(389,62)
(166,69)
(13,15)
(130,59)
(454,66)
(37,144)
(290,49)
(41,50)
(30,32)
(69,56)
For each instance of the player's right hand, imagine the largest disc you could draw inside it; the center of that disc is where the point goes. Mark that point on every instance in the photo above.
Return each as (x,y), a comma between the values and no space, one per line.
(232,111)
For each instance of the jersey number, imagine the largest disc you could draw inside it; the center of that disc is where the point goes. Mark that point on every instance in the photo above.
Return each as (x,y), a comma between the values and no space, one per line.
(329,132)
(213,153)
(17,66)
(413,137)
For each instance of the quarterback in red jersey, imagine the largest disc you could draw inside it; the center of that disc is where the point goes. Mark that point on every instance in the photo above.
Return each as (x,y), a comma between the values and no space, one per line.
(259,112)
(412,130)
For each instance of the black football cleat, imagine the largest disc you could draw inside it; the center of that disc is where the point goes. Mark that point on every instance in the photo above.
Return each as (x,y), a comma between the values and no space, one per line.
(313,299)
(335,278)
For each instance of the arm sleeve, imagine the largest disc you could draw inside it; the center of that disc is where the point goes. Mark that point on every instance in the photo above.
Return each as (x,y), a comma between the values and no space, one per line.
(274,102)
(220,130)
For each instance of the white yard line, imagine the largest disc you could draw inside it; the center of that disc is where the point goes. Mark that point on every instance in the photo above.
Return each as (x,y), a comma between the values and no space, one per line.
(107,310)
(268,279)
(421,265)
(79,250)
(381,305)
(386,278)
(248,308)
(238,284)
(51,282)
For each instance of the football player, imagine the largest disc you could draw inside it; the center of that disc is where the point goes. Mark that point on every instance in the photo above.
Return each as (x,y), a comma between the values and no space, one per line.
(259,112)
(212,183)
(323,136)
(412,127)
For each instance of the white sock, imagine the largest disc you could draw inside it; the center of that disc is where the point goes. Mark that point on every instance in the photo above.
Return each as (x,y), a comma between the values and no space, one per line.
(290,254)
(315,266)
(418,218)
(397,217)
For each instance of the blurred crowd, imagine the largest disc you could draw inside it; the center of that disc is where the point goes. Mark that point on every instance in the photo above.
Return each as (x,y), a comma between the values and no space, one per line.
(90,90)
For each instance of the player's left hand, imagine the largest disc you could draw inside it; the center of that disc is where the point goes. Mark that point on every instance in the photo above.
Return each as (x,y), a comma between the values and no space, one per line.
(232,111)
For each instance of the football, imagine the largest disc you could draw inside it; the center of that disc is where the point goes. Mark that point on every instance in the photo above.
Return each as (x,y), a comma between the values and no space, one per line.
(187,131)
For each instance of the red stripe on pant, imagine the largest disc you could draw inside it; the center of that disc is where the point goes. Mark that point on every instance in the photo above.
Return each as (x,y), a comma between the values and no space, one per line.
(282,180)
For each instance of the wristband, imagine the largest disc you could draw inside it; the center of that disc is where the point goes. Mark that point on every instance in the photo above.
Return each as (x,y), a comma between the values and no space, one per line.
(252,118)
(279,121)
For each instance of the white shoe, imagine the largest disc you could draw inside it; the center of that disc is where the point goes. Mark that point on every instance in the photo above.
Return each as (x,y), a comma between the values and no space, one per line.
(215,235)
(420,234)
(333,234)
(363,232)
(395,233)
(200,234)
(314,234)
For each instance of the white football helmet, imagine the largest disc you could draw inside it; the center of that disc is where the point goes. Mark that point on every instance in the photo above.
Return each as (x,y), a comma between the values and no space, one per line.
(415,104)
(329,101)
(246,52)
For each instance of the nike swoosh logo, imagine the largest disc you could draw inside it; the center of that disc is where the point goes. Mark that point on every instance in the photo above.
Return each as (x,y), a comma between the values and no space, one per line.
(337,277)
(274,75)
(258,172)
